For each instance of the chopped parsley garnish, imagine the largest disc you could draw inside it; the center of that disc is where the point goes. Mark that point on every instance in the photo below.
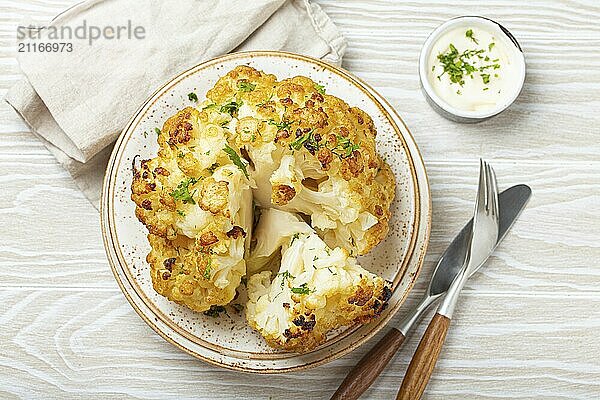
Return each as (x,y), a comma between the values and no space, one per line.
(303,289)
(207,269)
(193,97)
(284,276)
(215,311)
(236,159)
(491,46)
(469,34)
(181,213)
(458,65)
(344,147)
(183,191)
(280,125)
(320,88)
(212,105)
(180,154)
(231,108)
(158,132)
(246,86)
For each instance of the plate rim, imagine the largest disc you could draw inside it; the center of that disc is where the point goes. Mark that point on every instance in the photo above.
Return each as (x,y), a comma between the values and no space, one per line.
(413,155)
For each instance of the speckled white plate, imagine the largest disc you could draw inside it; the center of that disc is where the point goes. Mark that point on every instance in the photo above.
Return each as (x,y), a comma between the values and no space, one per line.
(227,340)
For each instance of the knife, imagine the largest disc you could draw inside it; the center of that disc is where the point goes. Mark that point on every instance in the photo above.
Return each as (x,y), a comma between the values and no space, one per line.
(510,202)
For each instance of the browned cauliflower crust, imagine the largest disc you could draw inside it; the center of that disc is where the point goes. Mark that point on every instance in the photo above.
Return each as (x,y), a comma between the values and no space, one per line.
(183,271)
(311,153)
(317,289)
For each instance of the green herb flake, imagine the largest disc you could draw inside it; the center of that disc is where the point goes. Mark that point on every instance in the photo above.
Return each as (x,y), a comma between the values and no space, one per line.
(469,34)
(246,86)
(193,97)
(212,105)
(231,108)
(285,276)
(458,66)
(320,88)
(236,159)
(158,132)
(303,289)
(181,213)
(485,78)
(344,147)
(183,191)
(283,125)
(491,46)
(208,269)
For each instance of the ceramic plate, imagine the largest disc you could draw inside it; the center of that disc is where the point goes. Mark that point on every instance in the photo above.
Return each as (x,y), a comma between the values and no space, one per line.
(227,340)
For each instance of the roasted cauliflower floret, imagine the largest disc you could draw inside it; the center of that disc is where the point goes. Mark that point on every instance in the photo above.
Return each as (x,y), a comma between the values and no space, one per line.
(197,273)
(316,290)
(195,199)
(310,153)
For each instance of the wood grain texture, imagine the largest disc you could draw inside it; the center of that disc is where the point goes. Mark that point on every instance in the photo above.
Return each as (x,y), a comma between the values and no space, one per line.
(366,371)
(423,362)
(526,326)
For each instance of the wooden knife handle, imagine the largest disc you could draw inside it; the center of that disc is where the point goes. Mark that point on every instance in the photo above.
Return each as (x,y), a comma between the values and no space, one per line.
(369,367)
(423,362)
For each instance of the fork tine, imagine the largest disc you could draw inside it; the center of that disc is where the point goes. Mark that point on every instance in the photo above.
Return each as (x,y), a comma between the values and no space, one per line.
(494,186)
(488,188)
(481,190)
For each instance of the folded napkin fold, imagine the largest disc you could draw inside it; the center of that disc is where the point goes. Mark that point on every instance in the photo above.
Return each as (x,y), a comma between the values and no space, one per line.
(78,102)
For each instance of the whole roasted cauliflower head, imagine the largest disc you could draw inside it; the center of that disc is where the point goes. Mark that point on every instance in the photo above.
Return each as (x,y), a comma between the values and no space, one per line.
(311,153)
(195,199)
(286,147)
(317,289)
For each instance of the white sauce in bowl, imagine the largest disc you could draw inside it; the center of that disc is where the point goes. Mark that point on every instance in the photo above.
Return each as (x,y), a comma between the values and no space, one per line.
(471,68)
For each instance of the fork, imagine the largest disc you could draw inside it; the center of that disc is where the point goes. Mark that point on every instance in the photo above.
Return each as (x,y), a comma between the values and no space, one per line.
(484,236)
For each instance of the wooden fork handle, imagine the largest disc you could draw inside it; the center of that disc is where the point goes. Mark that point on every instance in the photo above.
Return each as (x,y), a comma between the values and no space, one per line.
(369,367)
(423,362)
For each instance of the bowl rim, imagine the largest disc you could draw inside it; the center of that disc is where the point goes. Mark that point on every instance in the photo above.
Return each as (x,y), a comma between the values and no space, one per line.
(423,185)
(445,106)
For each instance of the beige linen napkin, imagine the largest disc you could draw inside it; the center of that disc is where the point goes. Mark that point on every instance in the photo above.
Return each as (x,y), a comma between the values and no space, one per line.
(78,102)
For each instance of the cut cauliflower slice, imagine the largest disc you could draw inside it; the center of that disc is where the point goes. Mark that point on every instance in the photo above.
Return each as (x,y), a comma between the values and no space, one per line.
(196,201)
(317,289)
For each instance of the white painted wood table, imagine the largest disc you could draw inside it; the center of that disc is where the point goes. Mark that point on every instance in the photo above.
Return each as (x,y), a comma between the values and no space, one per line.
(527,325)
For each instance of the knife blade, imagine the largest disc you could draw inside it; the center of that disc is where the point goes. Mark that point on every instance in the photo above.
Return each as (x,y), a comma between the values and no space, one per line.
(510,202)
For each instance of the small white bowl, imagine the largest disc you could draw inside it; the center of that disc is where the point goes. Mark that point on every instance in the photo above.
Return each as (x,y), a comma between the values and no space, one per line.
(440,105)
